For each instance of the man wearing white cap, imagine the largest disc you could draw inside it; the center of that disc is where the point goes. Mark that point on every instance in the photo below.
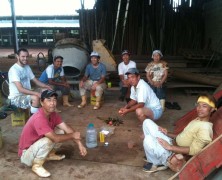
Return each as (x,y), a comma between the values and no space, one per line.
(94,80)
(122,69)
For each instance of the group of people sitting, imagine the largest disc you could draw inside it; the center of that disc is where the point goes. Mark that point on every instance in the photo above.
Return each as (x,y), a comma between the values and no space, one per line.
(45,127)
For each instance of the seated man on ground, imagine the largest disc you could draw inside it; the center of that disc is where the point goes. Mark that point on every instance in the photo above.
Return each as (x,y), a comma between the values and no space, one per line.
(93,80)
(39,136)
(159,144)
(143,99)
(122,69)
(20,75)
(54,75)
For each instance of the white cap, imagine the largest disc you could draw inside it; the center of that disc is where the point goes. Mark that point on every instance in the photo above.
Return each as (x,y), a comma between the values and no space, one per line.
(157,51)
(94,53)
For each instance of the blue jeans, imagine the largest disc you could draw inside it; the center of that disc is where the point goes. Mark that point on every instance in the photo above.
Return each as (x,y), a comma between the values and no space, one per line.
(160,92)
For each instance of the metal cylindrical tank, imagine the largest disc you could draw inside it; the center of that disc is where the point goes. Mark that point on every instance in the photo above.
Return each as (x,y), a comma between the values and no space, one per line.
(75,55)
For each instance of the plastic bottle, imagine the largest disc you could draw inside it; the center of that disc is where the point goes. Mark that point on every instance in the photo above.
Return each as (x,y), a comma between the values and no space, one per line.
(91,136)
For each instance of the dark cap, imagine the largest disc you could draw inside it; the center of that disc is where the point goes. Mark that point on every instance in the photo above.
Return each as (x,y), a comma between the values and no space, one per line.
(132,71)
(125,52)
(48,94)
(57,57)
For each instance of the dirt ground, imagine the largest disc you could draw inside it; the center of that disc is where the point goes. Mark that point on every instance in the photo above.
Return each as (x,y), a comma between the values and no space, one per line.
(115,161)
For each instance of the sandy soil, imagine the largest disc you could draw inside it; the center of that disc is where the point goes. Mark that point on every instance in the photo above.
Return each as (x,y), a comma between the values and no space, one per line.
(116,161)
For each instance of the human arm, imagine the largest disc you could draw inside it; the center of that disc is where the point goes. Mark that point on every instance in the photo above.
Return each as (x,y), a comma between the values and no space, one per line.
(125,82)
(70,134)
(149,78)
(102,80)
(81,83)
(23,90)
(40,84)
(165,131)
(173,148)
(63,82)
(160,83)
(130,107)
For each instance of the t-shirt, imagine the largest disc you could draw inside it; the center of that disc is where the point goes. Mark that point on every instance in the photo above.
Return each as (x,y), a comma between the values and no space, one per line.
(51,73)
(36,128)
(95,74)
(144,94)
(195,135)
(20,74)
(123,68)
(156,70)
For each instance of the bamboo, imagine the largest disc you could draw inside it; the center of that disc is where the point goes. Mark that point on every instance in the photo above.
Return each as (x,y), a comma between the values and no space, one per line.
(124,23)
(116,26)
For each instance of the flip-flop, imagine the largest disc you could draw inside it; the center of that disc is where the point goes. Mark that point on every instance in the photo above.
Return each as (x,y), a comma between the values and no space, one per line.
(169,105)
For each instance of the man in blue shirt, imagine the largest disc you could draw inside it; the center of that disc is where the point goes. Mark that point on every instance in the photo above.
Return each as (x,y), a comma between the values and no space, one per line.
(94,80)
(54,75)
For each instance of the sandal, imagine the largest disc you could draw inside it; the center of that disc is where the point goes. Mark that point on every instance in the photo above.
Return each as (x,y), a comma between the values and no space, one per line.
(176,106)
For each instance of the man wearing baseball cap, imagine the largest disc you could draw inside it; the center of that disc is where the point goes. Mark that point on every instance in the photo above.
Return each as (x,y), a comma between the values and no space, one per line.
(143,99)
(54,75)
(122,69)
(93,80)
(41,132)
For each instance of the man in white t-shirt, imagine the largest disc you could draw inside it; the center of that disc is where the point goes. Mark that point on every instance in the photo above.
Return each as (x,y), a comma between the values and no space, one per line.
(54,75)
(122,69)
(143,99)
(20,75)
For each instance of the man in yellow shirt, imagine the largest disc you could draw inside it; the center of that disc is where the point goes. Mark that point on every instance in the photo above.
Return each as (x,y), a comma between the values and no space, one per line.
(158,143)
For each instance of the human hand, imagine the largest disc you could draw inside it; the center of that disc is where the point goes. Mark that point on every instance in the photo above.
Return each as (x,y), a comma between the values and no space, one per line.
(82,150)
(66,84)
(38,94)
(164,144)
(94,86)
(49,87)
(81,83)
(122,111)
(157,84)
(163,130)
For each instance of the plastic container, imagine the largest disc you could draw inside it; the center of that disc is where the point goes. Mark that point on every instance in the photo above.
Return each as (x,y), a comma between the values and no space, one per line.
(91,136)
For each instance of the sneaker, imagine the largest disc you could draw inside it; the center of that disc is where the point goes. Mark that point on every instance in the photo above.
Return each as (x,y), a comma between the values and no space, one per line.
(149,167)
